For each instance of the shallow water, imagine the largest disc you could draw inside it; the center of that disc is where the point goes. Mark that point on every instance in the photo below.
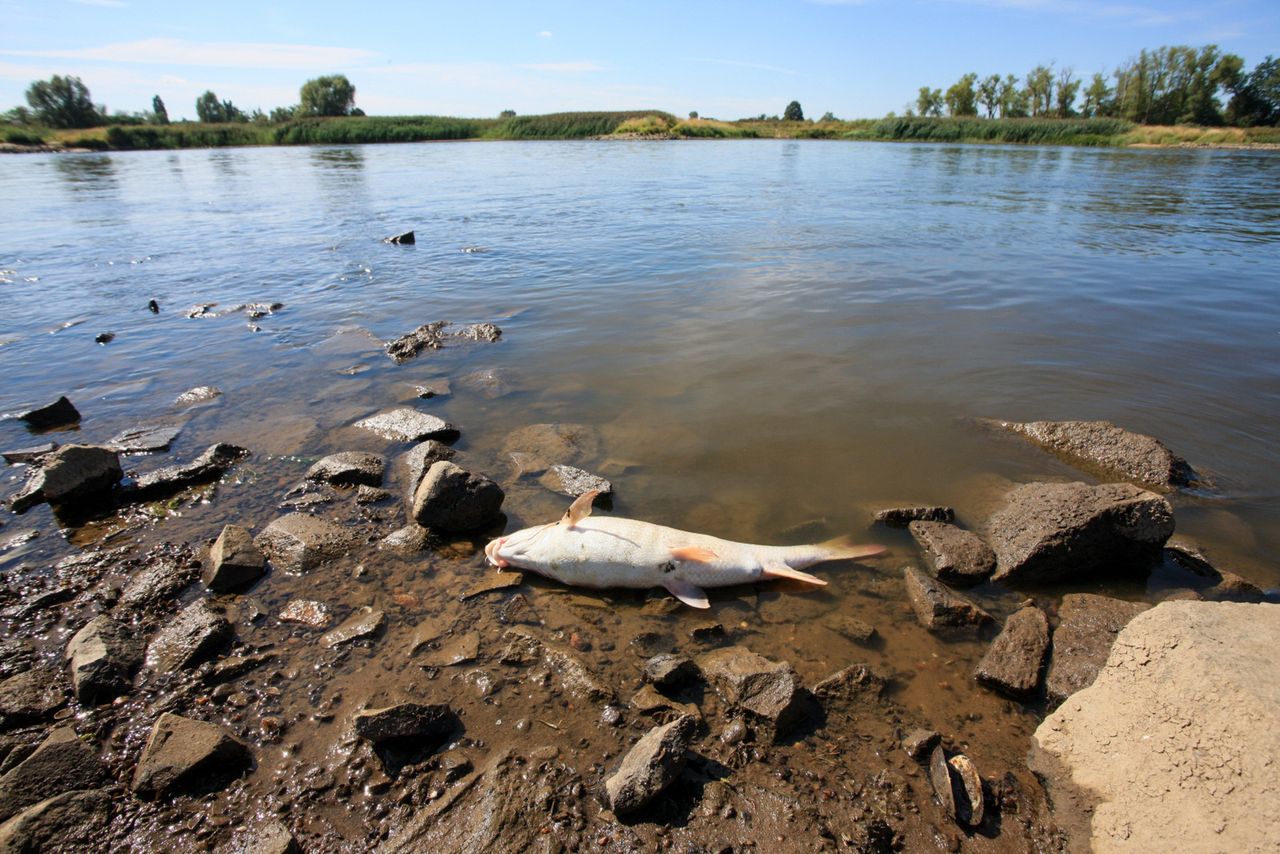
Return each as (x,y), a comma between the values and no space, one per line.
(766,334)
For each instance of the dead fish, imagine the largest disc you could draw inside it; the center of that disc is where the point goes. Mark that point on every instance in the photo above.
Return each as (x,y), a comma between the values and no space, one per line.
(609,551)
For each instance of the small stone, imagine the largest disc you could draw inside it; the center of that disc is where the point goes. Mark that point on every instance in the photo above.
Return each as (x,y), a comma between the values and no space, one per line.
(491,581)
(362,625)
(57,414)
(348,468)
(371,494)
(269,837)
(298,543)
(104,338)
(451,499)
(650,766)
(937,606)
(405,720)
(670,671)
(851,684)
(920,743)
(408,425)
(306,612)
(957,556)
(405,238)
(901,517)
(856,630)
(573,482)
(199,394)
(458,650)
(145,439)
(407,540)
(769,690)
(189,756)
(1013,663)
(234,561)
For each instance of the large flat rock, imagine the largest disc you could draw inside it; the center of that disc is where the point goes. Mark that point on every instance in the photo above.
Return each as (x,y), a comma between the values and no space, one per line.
(1103,448)
(1054,532)
(1177,738)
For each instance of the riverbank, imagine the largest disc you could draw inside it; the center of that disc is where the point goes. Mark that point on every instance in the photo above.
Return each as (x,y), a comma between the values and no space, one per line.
(639,124)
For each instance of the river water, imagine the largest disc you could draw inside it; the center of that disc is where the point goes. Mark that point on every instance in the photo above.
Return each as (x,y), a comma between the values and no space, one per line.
(766,334)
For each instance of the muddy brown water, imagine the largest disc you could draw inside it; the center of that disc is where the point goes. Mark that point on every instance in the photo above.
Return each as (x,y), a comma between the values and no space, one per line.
(770,338)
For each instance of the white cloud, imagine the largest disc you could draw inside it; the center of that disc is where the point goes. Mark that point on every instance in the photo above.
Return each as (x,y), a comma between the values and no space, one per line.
(545,34)
(565,67)
(212,54)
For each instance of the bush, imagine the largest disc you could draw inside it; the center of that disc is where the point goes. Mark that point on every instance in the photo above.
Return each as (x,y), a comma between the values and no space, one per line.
(16,136)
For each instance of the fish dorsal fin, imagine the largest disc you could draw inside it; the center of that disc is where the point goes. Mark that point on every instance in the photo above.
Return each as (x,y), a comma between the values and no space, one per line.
(580,508)
(694,554)
(781,570)
(690,594)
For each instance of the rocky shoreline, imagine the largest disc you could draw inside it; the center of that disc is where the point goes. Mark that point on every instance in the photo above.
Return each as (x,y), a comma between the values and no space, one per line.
(351,677)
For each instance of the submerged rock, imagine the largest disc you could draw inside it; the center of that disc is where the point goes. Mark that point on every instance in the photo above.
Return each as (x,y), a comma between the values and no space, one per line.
(651,765)
(188,756)
(450,498)
(405,238)
(71,476)
(145,439)
(957,556)
(937,606)
(1102,447)
(670,671)
(573,482)
(234,561)
(31,454)
(57,414)
(525,648)
(348,468)
(555,443)
(61,763)
(298,543)
(209,466)
(901,517)
(306,612)
(1087,627)
(1052,532)
(1013,663)
(365,624)
(199,394)
(104,656)
(408,425)
(1177,738)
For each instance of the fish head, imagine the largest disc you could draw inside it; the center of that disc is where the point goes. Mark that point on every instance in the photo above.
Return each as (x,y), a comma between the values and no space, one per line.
(524,549)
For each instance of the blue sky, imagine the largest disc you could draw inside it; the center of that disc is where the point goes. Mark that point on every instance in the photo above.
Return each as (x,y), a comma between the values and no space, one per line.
(854,58)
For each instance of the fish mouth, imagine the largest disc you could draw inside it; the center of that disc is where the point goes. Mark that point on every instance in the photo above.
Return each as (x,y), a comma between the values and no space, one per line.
(491,553)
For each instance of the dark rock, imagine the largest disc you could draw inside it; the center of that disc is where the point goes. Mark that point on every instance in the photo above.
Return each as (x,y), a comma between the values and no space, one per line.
(1051,532)
(1087,627)
(650,766)
(854,683)
(16,655)
(573,482)
(104,656)
(767,689)
(920,743)
(555,443)
(199,394)
(1233,588)
(297,542)
(145,439)
(57,414)
(524,648)
(153,306)
(306,612)
(408,425)
(371,494)
(901,517)
(403,239)
(184,755)
(31,695)
(209,466)
(450,498)
(365,624)
(1101,447)
(72,821)
(235,666)
(856,630)
(487,332)
(1013,663)
(234,561)
(647,701)
(708,633)
(61,763)
(166,575)
(348,468)
(405,720)
(670,671)
(31,454)
(104,337)
(957,556)
(70,476)
(428,336)
(415,462)
(937,606)
(194,636)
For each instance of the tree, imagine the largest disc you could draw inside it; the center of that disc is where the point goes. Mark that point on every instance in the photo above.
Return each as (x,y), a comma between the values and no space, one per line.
(19,116)
(989,94)
(1256,100)
(63,102)
(693,114)
(511,114)
(209,109)
(1097,98)
(960,98)
(793,113)
(1040,90)
(929,102)
(283,114)
(1067,90)
(828,116)
(1013,99)
(332,95)
(158,110)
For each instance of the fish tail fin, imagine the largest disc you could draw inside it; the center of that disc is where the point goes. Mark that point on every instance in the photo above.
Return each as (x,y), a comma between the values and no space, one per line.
(843,548)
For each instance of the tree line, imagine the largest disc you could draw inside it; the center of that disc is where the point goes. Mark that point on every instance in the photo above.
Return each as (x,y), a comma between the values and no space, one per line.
(1166,86)
(65,102)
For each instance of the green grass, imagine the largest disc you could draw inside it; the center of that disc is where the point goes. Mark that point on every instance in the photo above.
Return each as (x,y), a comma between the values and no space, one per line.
(650,125)
(1025,131)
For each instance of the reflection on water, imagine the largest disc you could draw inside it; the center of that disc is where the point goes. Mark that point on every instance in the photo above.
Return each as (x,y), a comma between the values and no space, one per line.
(86,172)
(338,158)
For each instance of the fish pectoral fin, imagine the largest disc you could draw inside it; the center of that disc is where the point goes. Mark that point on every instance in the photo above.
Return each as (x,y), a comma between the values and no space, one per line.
(580,508)
(690,594)
(694,554)
(781,570)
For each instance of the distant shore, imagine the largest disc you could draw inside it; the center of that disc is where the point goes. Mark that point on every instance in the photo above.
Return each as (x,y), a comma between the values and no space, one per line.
(634,125)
